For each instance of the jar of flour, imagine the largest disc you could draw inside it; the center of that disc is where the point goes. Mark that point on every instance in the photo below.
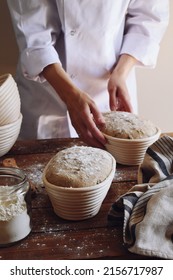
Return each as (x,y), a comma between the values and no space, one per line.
(15,206)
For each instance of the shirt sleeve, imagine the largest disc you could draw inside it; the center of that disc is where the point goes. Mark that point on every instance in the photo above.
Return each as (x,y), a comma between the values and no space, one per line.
(145,26)
(37,27)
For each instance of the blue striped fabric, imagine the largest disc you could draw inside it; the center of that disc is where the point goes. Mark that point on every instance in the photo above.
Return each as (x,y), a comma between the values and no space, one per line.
(146,211)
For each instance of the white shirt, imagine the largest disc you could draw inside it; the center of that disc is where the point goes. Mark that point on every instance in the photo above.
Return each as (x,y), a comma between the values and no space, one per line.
(87,40)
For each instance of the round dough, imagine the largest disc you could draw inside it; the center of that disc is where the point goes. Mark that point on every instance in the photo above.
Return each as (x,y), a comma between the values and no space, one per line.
(79,166)
(127,126)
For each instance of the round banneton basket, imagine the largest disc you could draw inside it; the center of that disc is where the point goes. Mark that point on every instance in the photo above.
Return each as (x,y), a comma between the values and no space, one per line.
(9,100)
(9,134)
(129,151)
(78,203)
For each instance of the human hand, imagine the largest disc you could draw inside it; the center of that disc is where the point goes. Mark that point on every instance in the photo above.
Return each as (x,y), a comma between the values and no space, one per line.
(86,119)
(119,98)
(84,114)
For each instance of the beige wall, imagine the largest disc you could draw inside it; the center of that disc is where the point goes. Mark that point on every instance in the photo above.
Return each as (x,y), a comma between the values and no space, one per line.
(155,87)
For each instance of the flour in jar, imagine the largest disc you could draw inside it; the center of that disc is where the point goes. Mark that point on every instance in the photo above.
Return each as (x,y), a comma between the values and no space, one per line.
(14,219)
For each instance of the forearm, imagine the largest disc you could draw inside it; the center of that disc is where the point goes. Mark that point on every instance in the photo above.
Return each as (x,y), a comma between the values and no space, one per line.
(60,81)
(124,65)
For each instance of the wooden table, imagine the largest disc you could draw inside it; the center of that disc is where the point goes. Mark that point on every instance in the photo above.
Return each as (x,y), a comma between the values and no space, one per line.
(53,237)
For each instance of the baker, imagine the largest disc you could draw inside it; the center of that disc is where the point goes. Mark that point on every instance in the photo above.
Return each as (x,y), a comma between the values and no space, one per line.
(77,59)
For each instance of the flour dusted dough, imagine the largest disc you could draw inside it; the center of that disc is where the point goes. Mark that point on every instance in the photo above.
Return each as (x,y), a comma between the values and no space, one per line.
(79,166)
(127,126)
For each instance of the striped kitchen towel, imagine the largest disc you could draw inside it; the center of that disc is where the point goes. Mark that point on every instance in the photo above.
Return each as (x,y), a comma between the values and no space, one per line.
(146,210)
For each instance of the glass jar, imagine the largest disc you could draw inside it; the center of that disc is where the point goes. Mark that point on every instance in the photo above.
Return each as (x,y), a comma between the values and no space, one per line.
(15,206)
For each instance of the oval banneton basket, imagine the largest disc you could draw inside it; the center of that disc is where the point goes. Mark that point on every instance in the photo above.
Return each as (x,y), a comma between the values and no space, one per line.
(129,151)
(78,203)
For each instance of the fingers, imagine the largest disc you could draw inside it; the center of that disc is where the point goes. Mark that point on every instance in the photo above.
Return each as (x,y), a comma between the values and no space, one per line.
(91,139)
(124,104)
(87,119)
(119,99)
(113,100)
(88,123)
(88,138)
(89,132)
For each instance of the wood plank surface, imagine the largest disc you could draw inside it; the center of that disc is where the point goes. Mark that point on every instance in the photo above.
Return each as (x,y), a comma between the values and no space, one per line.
(56,238)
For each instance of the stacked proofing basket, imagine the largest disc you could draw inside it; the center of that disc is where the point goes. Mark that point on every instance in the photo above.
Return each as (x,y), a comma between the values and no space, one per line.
(10,115)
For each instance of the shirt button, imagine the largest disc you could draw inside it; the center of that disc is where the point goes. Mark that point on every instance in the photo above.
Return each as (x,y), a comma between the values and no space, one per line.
(72,32)
(72,76)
